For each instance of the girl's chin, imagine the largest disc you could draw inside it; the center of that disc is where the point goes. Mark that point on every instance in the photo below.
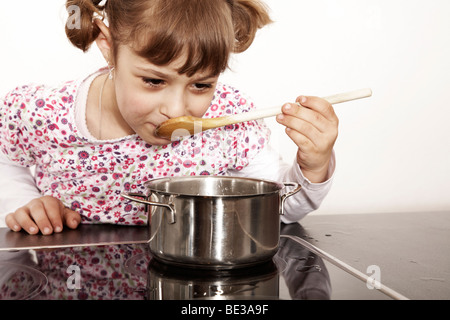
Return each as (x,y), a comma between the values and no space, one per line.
(163,142)
(150,137)
(156,141)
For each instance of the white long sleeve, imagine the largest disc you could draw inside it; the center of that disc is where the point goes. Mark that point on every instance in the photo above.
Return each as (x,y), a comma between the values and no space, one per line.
(269,165)
(17,187)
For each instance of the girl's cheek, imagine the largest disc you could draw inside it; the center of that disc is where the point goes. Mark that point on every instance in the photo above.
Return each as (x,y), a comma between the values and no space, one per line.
(201,105)
(134,103)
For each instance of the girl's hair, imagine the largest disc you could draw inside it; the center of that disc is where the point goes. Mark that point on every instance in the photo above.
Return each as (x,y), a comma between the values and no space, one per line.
(161,31)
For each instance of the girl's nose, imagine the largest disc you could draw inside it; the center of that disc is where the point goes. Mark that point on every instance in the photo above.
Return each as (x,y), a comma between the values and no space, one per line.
(174,106)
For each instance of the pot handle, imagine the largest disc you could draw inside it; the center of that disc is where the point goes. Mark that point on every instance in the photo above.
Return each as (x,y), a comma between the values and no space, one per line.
(145,200)
(297,188)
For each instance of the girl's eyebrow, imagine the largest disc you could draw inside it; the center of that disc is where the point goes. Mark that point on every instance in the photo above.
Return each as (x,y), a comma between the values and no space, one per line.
(163,75)
(207,77)
(154,72)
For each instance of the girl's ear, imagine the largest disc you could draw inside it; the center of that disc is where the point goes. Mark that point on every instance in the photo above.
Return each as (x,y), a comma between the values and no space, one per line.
(104,41)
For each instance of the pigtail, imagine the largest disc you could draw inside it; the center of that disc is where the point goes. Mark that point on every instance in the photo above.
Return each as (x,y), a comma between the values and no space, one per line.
(248,17)
(80,27)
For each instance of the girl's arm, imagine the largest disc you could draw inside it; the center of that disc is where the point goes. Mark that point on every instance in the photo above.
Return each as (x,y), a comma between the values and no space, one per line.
(269,165)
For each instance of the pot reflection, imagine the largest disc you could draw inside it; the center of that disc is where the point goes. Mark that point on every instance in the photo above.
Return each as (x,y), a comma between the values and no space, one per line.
(304,274)
(172,283)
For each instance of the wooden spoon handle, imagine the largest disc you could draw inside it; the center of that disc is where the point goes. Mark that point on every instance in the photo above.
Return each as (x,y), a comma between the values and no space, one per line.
(271,112)
(349,96)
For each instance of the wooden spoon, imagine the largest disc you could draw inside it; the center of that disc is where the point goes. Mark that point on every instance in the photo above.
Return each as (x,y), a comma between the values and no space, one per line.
(185,126)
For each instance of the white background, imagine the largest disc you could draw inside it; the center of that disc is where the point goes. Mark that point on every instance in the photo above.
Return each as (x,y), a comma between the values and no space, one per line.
(393,152)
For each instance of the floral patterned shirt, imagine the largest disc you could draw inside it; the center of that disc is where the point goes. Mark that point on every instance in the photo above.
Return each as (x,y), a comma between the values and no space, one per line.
(38,128)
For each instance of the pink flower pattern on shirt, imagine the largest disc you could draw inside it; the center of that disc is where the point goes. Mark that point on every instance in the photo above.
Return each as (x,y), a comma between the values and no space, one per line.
(103,274)
(103,271)
(37,128)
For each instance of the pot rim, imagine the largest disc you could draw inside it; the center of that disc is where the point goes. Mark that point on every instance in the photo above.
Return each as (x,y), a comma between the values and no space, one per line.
(279,187)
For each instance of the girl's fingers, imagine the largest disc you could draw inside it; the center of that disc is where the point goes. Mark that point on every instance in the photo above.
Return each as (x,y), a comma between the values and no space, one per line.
(22,219)
(72,218)
(319,105)
(303,134)
(304,143)
(54,211)
(311,116)
(12,223)
(294,122)
(46,214)
(39,214)
(314,119)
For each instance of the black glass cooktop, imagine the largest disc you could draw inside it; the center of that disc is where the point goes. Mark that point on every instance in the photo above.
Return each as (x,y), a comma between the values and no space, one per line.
(128,272)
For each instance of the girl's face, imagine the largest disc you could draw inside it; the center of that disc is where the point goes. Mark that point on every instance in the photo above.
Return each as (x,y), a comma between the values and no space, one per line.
(148,95)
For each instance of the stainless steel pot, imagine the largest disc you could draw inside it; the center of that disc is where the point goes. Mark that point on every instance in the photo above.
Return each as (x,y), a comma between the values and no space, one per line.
(212,221)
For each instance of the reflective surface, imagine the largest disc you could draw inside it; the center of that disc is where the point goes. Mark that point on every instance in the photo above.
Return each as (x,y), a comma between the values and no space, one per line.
(20,282)
(83,236)
(130,272)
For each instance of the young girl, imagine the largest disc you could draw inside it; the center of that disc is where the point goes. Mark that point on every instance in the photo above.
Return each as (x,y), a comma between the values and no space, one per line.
(90,140)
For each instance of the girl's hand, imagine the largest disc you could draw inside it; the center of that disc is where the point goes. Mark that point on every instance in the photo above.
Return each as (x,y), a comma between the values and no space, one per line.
(46,214)
(313,126)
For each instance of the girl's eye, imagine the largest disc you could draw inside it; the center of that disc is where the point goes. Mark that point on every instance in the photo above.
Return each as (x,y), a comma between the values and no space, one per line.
(153,82)
(202,86)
